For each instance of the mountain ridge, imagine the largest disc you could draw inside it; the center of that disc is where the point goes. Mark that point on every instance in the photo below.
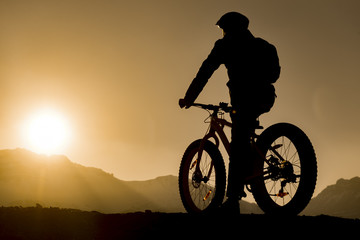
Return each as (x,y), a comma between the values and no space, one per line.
(341,199)
(27,179)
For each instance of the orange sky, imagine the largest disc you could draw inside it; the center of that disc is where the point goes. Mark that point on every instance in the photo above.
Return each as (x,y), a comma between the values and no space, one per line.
(116,69)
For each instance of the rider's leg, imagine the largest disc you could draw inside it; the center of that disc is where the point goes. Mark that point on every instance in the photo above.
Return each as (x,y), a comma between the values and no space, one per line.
(240,153)
(243,126)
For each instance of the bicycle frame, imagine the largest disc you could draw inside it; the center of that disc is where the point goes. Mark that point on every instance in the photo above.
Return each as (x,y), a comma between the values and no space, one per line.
(216,131)
(216,126)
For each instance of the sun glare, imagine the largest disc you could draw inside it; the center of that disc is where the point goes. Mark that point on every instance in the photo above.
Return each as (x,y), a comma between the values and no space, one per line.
(47,132)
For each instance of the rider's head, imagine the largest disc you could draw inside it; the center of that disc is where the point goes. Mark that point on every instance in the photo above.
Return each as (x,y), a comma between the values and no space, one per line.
(233,22)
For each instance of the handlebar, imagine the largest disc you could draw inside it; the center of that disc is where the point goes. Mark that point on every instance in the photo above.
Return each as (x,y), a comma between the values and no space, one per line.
(222,106)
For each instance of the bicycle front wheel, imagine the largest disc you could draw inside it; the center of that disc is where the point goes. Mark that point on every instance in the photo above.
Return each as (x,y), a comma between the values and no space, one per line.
(202,181)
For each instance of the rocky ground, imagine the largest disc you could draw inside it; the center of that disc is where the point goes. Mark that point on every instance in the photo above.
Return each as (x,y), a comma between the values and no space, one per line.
(55,223)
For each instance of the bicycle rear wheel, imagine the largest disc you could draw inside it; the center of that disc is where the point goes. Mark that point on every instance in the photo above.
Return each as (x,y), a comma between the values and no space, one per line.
(289,175)
(202,181)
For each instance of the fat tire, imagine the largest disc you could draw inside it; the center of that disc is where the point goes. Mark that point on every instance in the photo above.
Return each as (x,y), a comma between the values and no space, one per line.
(308,174)
(220,181)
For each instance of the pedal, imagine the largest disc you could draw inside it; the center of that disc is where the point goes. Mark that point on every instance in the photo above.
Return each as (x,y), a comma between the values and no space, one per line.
(282,194)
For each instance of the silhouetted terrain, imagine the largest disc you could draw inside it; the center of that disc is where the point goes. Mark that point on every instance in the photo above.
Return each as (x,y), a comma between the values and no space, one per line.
(341,199)
(27,179)
(54,223)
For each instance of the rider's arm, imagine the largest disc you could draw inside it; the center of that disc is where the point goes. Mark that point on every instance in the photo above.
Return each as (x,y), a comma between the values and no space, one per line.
(208,67)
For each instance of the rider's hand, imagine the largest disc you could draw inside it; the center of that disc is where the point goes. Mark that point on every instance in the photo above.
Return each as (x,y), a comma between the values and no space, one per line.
(183,103)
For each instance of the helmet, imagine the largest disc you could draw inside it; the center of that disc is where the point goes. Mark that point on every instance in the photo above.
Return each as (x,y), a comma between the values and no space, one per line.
(233,21)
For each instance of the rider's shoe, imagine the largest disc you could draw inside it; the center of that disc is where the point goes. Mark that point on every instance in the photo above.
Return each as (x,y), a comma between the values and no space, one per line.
(230,207)
(242,195)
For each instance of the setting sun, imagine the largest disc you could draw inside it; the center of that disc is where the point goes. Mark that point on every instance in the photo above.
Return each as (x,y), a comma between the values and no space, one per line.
(47,132)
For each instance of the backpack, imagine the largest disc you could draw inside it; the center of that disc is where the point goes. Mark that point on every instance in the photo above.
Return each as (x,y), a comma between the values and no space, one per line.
(266,61)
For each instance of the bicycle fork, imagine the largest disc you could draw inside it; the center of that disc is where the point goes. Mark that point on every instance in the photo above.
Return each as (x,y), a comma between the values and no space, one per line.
(198,176)
(196,163)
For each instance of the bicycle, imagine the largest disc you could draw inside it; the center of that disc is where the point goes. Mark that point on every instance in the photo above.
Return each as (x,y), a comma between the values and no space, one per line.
(282,179)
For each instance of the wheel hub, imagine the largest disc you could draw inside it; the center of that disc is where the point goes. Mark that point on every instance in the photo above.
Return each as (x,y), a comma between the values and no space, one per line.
(284,170)
(287,171)
(196,179)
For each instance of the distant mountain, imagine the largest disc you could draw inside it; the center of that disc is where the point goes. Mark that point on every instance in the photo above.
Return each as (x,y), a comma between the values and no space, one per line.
(27,179)
(341,200)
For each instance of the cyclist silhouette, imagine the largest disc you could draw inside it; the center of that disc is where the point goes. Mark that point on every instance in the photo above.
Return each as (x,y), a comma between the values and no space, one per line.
(251,94)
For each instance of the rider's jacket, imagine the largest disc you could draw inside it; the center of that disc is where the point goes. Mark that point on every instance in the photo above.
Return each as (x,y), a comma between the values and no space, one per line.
(235,52)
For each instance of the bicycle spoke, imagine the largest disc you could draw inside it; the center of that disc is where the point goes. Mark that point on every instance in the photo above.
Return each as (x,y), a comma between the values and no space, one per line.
(286,149)
(203,192)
